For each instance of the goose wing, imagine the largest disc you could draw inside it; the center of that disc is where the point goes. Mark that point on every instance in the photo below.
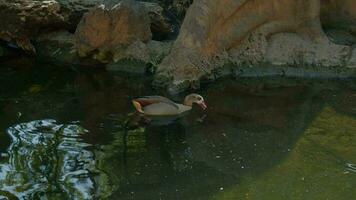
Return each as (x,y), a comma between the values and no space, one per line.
(149,100)
(161,108)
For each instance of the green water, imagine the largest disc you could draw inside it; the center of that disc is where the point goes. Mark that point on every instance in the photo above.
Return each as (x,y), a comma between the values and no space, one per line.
(69,133)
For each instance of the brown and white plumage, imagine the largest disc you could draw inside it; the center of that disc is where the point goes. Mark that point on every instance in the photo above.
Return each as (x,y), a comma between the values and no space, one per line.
(158,105)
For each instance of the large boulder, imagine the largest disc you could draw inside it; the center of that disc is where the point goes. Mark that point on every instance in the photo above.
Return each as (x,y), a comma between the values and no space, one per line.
(103,31)
(22,20)
(212,30)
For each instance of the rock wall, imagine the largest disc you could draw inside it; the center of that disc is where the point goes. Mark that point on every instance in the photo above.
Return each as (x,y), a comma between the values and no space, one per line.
(107,29)
(339,14)
(23,20)
(216,32)
(123,32)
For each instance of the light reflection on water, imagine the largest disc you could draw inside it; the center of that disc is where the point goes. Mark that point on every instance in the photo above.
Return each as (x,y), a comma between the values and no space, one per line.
(47,157)
(351,167)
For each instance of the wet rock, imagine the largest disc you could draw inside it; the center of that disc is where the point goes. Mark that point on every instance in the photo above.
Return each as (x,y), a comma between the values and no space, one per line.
(57,47)
(107,30)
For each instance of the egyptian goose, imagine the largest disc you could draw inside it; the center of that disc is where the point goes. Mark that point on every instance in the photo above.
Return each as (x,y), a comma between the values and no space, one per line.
(160,106)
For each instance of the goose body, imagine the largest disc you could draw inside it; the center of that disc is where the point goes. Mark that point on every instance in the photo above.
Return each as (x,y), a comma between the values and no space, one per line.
(162,106)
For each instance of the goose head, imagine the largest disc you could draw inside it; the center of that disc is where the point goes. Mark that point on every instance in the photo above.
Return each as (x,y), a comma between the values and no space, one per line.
(195,99)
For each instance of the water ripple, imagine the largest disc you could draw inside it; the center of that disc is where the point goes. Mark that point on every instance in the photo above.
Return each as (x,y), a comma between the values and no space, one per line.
(46,158)
(351,167)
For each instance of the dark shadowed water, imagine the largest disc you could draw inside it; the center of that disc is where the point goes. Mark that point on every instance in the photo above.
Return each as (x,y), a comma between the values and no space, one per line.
(69,133)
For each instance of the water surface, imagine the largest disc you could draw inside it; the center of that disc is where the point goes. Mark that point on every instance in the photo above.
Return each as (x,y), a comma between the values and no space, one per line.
(69,133)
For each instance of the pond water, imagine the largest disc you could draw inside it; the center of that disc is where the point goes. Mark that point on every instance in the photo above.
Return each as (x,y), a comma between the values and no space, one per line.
(70,133)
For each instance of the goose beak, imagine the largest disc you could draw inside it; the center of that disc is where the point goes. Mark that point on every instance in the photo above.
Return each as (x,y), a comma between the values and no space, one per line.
(203,105)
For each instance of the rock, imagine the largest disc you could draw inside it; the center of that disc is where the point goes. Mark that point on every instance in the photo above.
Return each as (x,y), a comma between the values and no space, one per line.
(130,22)
(291,49)
(341,37)
(137,50)
(57,47)
(73,10)
(22,21)
(251,52)
(211,27)
(241,29)
(108,30)
(138,57)
(339,14)
(158,51)
(352,61)
(161,25)
(128,66)
(93,31)
(178,8)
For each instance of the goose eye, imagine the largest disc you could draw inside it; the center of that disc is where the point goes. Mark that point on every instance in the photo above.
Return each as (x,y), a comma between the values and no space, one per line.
(199,98)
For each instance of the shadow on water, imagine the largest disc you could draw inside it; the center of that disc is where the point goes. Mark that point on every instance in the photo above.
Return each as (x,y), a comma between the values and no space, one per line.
(95,149)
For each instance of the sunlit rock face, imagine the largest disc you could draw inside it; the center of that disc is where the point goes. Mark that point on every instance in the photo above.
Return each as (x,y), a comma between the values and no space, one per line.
(48,160)
(111,28)
(123,31)
(239,32)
